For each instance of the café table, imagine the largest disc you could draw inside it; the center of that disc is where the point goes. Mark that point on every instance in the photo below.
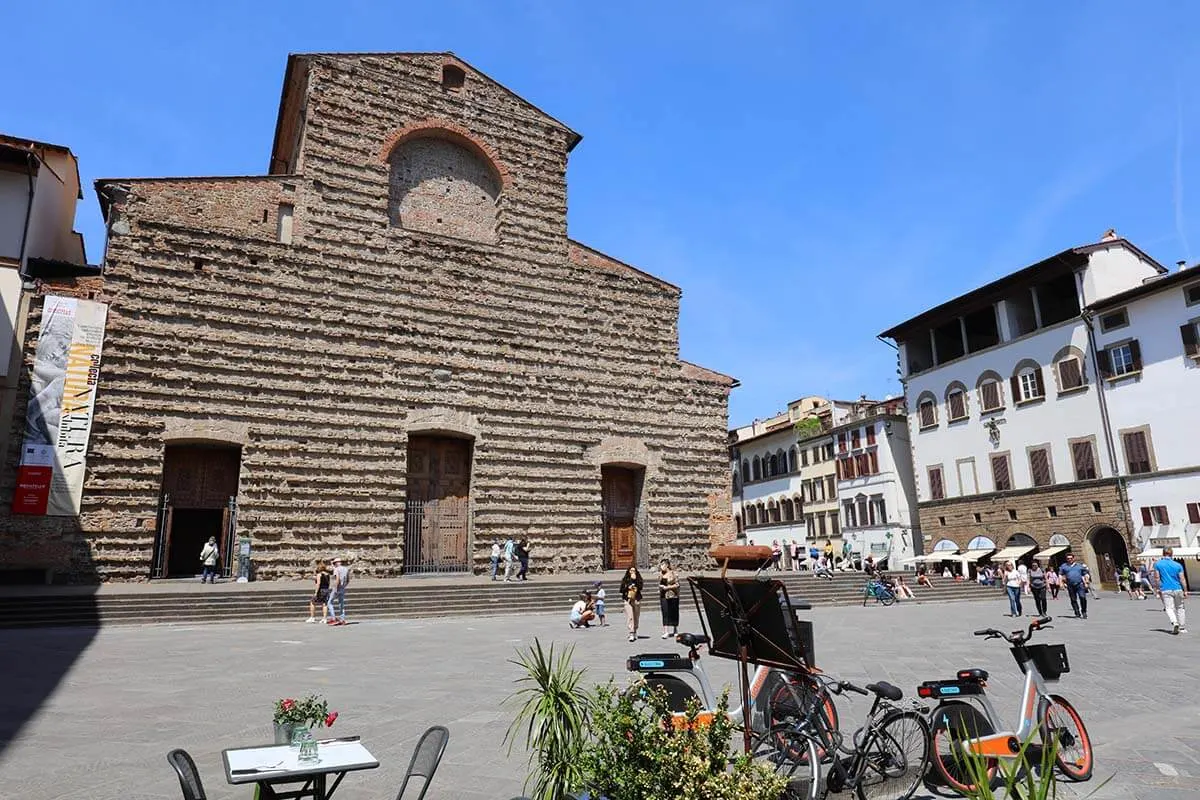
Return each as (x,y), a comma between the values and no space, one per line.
(274,767)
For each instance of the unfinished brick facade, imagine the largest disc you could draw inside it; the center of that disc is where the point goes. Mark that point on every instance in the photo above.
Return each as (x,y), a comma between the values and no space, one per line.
(429,288)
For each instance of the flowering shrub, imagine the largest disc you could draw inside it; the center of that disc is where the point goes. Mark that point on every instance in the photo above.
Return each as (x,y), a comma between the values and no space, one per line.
(310,712)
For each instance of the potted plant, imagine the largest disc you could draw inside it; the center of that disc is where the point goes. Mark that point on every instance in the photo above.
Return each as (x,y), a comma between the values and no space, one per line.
(292,715)
(621,745)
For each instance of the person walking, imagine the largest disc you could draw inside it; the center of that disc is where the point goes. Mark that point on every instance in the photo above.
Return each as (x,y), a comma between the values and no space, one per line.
(208,560)
(337,593)
(522,553)
(1170,585)
(1053,583)
(320,594)
(668,598)
(631,594)
(1143,579)
(599,595)
(1013,585)
(829,552)
(510,557)
(1037,585)
(1077,577)
(495,558)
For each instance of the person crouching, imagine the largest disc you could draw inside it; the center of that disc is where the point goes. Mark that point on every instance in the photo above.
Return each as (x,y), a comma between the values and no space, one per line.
(581,614)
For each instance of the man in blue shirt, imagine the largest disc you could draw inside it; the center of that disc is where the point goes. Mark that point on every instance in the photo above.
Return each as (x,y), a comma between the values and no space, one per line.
(1170,583)
(1077,576)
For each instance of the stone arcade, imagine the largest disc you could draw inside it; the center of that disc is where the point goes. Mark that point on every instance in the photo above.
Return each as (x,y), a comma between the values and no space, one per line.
(388,347)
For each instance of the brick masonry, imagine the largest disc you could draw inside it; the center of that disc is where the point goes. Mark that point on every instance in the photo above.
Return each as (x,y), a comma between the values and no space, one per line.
(320,356)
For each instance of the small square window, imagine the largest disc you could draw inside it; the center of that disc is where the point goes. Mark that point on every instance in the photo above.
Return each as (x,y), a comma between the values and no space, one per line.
(1095,507)
(1012,514)
(1121,358)
(1114,320)
(978,517)
(1192,294)
(1052,510)
(942,521)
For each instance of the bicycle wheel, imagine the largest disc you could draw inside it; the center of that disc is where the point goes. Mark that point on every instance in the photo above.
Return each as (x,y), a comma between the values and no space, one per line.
(1061,724)
(793,755)
(895,756)
(886,597)
(792,700)
(952,722)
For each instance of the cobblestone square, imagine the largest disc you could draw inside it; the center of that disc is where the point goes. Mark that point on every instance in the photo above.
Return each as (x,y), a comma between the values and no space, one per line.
(136,692)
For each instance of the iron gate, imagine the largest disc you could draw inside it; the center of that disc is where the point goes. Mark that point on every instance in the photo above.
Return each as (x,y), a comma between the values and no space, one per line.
(435,535)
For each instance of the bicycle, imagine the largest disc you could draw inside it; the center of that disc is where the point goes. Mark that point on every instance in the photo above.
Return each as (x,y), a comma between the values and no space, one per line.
(683,677)
(887,761)
(966,720)
(879,590)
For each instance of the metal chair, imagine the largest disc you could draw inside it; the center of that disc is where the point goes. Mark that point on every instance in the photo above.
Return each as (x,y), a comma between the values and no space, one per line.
(189,778)
(425,759)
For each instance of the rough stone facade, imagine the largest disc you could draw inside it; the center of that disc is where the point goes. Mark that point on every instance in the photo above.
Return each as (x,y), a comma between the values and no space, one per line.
(1075,516)
(320,356)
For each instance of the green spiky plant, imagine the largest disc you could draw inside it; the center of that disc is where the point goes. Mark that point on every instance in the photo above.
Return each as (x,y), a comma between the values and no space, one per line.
(553,714)
(1015,778)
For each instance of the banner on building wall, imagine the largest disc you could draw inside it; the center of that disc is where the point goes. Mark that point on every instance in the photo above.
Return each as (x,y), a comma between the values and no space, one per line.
(62,401)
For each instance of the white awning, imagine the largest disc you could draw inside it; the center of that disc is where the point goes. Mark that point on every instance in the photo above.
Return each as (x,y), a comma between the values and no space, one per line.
(971,556)
(1051,551)
(1186,552)
(1151,552)
(1016,551)
(913,560)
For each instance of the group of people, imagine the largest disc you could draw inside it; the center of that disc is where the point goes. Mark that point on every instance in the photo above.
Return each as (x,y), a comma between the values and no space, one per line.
(329,594)
(792,557)
(590,605)
(514,554)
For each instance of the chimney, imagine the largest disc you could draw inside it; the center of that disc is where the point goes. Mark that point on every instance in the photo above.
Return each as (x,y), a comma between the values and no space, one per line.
(1181,264)
(1109,235)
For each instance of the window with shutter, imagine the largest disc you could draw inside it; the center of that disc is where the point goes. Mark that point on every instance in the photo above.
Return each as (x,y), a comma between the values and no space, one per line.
(936,489)
(1147,516)
(1029,386)
(1161,517)
(1001,474)
(1191,339)
(870,435)
(1137,452)
(830,488)
(841,442)
(1084,456)
(1122,361)
(928,414)
(1070,374)
(958,405)
(1194,513)
(1039,466)
(855,439)
(989,396)
(873,458)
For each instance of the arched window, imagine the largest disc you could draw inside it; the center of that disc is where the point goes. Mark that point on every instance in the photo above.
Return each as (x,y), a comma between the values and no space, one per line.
(927,415)
(782,457)
(751,515)
(763,517)
(756,470)
(1027,382)
(981,543)
(956,402)
(991,392)
(745,470)
(1069,373)
(945,545)
(775,517)
(439,184)
(773,466)
(793,459)
(1058,540)
(789,511)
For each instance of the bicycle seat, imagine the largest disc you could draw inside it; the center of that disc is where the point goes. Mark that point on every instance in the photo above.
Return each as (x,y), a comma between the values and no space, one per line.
(973,674)
(885,690)
(691,639)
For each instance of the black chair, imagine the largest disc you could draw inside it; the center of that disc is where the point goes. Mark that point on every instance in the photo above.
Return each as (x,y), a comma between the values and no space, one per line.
(425,759)
(189,778)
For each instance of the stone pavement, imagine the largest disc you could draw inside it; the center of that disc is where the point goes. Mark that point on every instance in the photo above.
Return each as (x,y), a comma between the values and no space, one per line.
(136,692)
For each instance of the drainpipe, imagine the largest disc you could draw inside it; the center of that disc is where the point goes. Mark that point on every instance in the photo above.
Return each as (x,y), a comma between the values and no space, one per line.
(1106,426)
(30,171)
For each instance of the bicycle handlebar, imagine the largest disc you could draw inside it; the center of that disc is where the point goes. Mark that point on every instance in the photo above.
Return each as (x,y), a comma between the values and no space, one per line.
(1016,637)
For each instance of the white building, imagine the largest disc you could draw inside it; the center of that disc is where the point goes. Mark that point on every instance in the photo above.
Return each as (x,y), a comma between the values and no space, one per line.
(1147,348)
(1011,419)
(875,484)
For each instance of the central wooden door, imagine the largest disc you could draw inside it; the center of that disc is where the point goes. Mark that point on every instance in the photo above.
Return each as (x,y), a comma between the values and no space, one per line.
(200,484)
(438,509)
(619,492)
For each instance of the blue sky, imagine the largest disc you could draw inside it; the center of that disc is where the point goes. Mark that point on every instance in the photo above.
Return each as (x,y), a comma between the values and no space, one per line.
(809,173)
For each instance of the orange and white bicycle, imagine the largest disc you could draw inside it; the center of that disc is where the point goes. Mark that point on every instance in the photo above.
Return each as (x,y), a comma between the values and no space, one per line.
(964,720)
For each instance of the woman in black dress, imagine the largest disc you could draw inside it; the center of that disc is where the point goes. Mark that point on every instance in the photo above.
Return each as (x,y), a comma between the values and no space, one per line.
(668,598)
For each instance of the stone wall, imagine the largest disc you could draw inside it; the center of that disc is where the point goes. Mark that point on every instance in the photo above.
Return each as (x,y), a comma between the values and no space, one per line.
(315,355)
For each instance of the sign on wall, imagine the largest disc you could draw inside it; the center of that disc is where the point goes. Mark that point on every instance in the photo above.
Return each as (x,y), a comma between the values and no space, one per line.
(62,399)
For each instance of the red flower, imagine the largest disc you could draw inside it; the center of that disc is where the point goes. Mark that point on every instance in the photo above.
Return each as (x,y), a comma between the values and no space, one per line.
(289,704)
(331,718)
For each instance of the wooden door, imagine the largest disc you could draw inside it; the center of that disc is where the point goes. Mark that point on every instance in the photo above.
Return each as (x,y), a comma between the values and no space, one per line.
(439,489)
(620,497)
(198,485)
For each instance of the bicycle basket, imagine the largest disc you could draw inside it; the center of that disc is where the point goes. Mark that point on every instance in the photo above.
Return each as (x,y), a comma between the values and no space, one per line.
(1051,659)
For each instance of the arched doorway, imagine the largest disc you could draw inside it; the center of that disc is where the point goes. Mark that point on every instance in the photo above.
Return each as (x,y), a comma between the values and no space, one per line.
(1023,540)
(1109,553)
